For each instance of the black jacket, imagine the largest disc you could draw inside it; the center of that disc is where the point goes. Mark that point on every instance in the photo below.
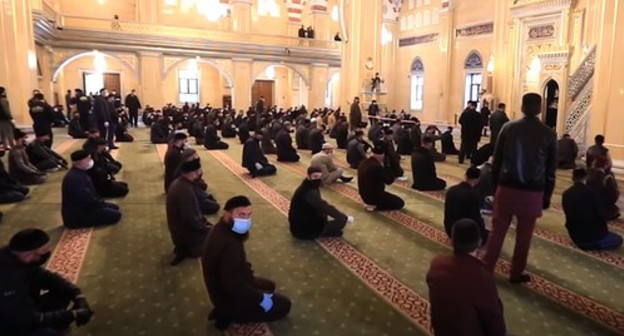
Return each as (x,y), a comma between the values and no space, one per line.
(75,129)
(586,219)
(302,137)
(462,201)
(210,135)
(372,180)
(356,152)
(38,152)
(497,120)
(316,140)
(42,115)
(283,143)
(20,288)
(525,157)
(252,154)
(471,126)
(101,111)
(79,198)
(341,132)
(132,102)
(423,167)
(308,212)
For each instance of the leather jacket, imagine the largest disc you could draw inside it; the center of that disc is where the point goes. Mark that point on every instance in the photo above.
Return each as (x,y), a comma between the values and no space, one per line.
(525,157)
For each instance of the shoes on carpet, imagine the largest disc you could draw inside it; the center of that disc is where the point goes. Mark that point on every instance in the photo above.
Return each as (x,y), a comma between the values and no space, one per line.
(113,147)
(346,179)
(370,207)
(523,278)
(402,178)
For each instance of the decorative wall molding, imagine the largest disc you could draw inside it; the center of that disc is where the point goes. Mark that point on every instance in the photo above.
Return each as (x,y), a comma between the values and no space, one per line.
(582,75)
(524,8)
(541,32)
(410,41)
(475,30)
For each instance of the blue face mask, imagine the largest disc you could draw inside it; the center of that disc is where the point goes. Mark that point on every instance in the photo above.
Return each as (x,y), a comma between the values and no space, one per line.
(241,225)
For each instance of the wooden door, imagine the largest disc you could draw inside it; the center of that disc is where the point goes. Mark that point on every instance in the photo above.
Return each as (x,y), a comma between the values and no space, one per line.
(227,101)
(262,88)
(112,82)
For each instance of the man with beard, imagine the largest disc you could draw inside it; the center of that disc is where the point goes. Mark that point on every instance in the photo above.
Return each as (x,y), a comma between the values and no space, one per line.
(20,167)
(355,115)
(236,294)
(283,142)
(187,225)
(309,212)
(254,160)
(11,191)
(36,301)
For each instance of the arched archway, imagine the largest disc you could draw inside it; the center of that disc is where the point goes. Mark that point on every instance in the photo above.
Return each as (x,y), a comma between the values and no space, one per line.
(228,76)
(333,90)
(551,103)
(283,85)
(80,55)
(197,80)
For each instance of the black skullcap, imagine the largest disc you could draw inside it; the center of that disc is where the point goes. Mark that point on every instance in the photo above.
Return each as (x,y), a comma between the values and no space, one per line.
(466,236)
(78,155)
(314,169)
(179,136)
(28,240)
(18,133)
(236,202)
(473,173)
(190,166)
(378,149)
(531,104)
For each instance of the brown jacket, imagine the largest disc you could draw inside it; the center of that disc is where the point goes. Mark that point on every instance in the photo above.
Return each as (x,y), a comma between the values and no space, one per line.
(227,274)
(463,296)
(187,225)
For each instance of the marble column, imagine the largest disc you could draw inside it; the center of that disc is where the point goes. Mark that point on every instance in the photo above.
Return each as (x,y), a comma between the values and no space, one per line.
(18,61)
(241,96)
(151,75)
(320,20)
(147,11)
(318,84)
(446,41)
(241,16)
(388,69)
(361,56)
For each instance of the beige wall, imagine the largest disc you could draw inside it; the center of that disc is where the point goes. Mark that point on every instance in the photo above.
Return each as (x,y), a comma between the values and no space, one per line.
(212,85)
(100,9)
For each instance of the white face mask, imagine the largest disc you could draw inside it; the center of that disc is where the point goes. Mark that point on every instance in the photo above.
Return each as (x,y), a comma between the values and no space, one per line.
(90,164)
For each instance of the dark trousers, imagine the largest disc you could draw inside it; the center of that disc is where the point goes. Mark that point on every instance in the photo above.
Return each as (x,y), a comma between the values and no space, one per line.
(12,196)
(288,157)
(265,171)
(467,149)
(433,185)
(110,135)
(49,302)
(611,241)
(207,203)
(46,165)
(333,228)
(281,306)
(114,189)
(526,206)
(106,214)
(134,117)
(388,202)
(217,145)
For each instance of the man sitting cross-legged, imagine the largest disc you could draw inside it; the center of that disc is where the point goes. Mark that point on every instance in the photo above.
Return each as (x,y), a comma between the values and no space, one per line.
(462,201)
(372,178)
(586,218)
(309,212)
(323,160)
(238,296)
(423,168)
(254,160)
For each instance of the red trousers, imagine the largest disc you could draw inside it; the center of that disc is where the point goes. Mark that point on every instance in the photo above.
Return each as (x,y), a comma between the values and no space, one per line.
(527,207)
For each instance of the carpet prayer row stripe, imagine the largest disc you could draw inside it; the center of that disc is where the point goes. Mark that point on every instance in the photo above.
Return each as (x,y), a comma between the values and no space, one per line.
(608,257)
(249,329)
(397,294)
(563,296)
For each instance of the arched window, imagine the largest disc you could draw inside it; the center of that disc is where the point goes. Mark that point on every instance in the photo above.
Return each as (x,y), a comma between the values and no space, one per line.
(473,68)
(417,85)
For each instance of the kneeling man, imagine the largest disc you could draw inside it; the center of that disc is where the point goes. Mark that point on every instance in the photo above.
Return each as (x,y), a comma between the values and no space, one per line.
(236,294)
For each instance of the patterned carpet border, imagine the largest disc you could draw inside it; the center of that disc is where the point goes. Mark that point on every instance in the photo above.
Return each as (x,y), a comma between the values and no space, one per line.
(249,329)
(608,257)
(563,296)
(401,297)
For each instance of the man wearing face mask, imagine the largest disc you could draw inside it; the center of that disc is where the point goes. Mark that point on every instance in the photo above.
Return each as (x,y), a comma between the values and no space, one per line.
(253,158)
(187,225)
(81,205)
(24,311)
(236,294)
(309,212)
(173,157)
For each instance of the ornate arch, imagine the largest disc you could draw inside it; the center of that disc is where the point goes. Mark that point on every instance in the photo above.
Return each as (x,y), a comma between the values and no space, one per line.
(263,66)
(228,76)
(417,65)
(473,61)
(81,54)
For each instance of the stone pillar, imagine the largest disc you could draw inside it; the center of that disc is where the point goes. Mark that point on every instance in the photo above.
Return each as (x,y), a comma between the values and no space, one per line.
(320,20)
(361,56)
(388,68)
(503,58)
(295,13)
(241,16)
(447,35)
(241,95)
(147,11)
(318,84)
(151,75)
(18,61)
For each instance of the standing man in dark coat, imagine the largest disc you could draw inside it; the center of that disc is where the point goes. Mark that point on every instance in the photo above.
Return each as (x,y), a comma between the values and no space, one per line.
(42,116)
(567,152)
(423,168)
(254,160)
(463,295)
(259,110)
(485,116)
(6,119)
(83,106)
(36,301)
(82,207)
(462,201)
(283,142)
(309,212)
(173,157)
(372,179)
(355,115)
(470,121)
(497,120)
(373,112)
(586,219)
(134,105)
(238,296)
(68,103)
(187,225)
(525,161)
(102,113)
